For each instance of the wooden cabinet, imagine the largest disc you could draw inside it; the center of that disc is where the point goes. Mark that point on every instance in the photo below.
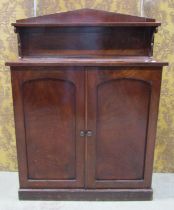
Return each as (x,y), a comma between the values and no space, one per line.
(86,106)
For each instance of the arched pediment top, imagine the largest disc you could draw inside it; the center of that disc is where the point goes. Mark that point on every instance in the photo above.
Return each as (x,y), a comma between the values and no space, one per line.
(84,16)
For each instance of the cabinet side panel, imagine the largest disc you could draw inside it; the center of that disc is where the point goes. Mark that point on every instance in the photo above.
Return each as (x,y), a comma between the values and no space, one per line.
(49,111)
(122,117)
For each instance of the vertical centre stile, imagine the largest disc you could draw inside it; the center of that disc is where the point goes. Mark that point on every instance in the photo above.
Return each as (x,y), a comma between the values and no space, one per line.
(86,124)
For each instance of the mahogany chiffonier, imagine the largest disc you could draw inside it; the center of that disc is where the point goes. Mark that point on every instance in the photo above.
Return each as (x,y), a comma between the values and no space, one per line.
(86,93)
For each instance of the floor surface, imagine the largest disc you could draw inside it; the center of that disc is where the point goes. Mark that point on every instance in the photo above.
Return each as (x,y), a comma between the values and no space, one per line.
(163,186)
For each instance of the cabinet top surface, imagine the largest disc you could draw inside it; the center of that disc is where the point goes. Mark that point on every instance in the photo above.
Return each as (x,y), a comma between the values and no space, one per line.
(119,61)
(86,17)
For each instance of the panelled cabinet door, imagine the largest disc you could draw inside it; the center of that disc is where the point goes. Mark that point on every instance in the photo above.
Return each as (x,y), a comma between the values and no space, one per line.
(49,110)
(122,113)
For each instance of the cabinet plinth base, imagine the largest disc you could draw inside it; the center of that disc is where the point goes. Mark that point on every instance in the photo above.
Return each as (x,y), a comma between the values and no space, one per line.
(86,195)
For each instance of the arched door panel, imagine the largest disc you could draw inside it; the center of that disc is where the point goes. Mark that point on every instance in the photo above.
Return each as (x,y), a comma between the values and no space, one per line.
(119,111)
(49,110)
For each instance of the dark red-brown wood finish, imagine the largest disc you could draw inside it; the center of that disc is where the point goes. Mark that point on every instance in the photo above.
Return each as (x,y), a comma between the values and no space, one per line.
(85,32)
(86,93)
(49,114)
(85,17)
(122,115)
